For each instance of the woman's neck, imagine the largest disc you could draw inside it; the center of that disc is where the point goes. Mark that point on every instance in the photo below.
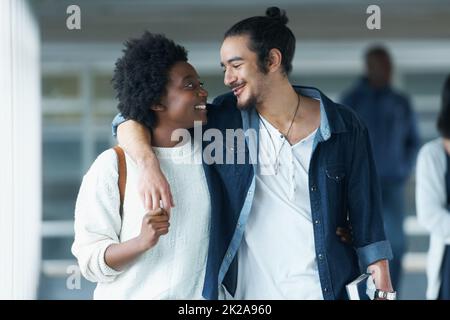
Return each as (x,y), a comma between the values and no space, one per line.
(162,137)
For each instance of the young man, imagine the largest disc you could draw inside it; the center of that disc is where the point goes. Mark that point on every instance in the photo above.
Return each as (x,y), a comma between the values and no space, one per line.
(310,172)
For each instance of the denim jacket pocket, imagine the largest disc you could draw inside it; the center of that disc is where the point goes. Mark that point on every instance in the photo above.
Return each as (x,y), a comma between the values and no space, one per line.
(335,173)
(336,192)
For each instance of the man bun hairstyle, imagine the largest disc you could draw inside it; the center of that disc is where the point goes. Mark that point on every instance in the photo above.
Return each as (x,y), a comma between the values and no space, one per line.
(266,33)
(278,14)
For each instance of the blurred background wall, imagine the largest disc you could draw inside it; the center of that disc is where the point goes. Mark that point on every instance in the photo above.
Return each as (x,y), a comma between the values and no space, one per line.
(20,155)
(78,102)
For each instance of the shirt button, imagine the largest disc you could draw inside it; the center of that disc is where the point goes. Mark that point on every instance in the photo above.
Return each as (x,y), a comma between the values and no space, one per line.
(229,255)
(313,188)
(238,225)
(317,222)
(320,256)
(325,289)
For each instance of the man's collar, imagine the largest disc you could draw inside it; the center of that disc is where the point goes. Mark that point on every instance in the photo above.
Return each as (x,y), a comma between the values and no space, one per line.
(330,120)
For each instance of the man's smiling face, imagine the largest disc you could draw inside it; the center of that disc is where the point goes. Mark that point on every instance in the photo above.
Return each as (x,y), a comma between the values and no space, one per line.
(241,71)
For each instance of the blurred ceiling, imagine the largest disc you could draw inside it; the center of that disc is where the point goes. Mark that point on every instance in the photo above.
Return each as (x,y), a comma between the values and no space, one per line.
(206,21)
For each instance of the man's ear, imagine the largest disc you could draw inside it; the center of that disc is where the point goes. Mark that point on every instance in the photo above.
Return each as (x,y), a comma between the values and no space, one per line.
(274,60)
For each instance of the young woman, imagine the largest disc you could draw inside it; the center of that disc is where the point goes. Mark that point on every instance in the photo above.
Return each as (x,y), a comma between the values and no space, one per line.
(433,201)
(148,255)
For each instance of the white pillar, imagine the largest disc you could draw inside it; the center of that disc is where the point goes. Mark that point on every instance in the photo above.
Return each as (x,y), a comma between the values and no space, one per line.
(20,151)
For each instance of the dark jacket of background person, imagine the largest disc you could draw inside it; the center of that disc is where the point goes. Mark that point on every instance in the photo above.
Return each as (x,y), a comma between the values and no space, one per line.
(392,128)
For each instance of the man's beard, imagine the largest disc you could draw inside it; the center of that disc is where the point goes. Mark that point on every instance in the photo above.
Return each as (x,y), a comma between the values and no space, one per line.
(247,105)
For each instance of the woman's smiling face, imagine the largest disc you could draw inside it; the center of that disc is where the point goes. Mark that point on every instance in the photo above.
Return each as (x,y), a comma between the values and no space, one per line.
(185,99)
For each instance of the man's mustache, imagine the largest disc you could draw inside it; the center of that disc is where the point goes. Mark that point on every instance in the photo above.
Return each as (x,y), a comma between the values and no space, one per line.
(232,87)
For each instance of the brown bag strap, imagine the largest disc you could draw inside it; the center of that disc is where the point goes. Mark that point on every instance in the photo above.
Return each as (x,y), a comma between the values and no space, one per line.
(122,181)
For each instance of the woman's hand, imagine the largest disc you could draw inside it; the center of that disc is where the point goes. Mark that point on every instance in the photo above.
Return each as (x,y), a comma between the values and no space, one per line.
(155,223)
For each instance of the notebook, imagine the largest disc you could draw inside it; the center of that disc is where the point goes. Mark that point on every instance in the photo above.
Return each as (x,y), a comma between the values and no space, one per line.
(362,288)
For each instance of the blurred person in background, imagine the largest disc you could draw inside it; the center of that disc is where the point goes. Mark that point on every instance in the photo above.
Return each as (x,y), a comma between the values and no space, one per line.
(433,201)
(392,128)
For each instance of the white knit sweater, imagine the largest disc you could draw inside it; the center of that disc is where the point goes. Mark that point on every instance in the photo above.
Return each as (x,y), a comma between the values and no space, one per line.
(175,267)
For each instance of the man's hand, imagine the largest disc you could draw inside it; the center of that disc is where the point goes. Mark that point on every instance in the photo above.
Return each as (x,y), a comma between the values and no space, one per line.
(381,276)
(155,223)
(153,188)
(345,235)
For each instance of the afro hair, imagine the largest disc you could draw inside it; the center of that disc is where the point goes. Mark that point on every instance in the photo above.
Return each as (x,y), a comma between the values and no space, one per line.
(141,75)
